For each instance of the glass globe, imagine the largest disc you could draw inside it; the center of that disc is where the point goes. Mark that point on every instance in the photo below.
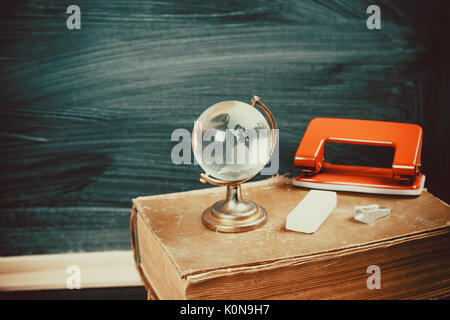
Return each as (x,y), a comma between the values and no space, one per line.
(231,141)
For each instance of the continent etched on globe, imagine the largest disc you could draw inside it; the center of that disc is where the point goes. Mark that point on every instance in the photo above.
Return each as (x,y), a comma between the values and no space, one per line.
(231,141)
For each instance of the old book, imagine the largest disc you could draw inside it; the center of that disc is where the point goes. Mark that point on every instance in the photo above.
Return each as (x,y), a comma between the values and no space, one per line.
(179,258)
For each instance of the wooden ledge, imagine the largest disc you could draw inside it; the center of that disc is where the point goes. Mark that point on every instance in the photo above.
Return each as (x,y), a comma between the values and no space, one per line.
(45,272)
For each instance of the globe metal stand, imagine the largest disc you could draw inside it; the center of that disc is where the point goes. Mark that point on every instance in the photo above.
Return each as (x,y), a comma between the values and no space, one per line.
(235,214)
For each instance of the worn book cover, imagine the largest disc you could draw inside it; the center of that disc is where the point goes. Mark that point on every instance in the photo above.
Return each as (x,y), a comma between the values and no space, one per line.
(179,258)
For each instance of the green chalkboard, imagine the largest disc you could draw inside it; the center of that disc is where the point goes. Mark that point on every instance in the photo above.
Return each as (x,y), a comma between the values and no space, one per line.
(87,115)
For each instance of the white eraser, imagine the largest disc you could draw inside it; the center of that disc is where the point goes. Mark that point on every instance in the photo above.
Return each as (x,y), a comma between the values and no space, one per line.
(312,211)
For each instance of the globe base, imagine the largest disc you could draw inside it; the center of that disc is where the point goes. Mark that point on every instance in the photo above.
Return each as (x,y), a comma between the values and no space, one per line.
(234,214)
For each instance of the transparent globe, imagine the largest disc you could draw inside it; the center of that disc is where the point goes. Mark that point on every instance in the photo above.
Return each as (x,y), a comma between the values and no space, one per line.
(231,141)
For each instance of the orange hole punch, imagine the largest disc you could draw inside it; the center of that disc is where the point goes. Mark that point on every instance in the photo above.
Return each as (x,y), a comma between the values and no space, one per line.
(404,178)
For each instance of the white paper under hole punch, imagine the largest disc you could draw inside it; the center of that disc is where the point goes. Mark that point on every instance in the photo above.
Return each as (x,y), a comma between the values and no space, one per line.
(312,211)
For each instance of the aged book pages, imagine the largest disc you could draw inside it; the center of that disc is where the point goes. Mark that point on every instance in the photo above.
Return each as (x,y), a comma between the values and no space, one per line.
(180,258)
